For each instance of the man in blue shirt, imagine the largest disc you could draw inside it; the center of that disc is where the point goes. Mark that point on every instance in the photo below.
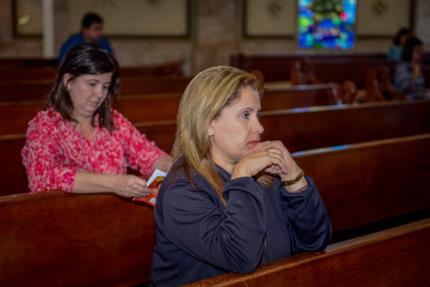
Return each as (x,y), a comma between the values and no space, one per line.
(91,32)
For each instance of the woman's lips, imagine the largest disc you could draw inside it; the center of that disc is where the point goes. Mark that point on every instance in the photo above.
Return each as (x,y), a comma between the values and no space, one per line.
(253,142)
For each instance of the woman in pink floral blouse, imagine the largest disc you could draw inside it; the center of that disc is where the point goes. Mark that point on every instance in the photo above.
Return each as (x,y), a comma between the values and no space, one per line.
(79,143)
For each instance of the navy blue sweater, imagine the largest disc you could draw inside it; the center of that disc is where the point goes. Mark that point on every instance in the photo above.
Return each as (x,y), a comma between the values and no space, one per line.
(198,237)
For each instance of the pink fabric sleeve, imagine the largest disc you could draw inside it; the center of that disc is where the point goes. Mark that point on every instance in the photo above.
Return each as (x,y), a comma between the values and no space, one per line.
(139,151)
(40,157)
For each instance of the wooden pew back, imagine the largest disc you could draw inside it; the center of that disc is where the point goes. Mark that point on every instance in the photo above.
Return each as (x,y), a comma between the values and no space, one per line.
(70,235)
(394,257)
(314,127)
(28,62)
(299,129)
(20,73)
(58,239)
(277,67)
(426,73)
(32,90)
(300,96)
(159,107)
(366,182)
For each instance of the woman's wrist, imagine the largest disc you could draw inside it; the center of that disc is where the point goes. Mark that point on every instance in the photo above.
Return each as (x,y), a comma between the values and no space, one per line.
(300,186)
(295,183)
(238,172)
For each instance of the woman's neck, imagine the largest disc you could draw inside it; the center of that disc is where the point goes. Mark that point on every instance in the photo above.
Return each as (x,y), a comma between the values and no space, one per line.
(222,162)
(84,126)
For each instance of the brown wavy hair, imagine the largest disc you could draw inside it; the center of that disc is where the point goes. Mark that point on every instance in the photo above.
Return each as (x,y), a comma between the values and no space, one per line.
(85,59)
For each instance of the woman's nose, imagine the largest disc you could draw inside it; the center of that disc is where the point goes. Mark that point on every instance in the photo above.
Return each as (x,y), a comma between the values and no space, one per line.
(258,128)
(99,91)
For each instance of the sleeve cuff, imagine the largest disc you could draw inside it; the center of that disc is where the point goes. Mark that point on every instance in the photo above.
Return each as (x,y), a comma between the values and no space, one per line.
(304,193)
(245,184)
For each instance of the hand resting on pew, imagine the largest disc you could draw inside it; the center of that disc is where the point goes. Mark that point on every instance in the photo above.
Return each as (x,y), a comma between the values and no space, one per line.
(79,143)
(230,202)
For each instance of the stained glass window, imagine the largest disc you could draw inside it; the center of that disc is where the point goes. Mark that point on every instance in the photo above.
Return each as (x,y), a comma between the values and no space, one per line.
(327,24)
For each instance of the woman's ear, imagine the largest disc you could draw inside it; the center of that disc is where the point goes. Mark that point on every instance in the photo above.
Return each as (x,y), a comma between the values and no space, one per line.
(210,131)
(66,80)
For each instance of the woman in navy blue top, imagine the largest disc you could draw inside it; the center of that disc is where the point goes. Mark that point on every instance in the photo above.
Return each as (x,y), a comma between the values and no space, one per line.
(231,201)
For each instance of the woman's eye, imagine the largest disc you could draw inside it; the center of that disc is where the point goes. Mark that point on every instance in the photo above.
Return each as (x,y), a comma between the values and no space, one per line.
(246,115)
(92,84)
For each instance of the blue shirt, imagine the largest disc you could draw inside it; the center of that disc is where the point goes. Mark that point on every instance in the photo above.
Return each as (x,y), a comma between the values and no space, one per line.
(406,83)
(394,53)
(198,237)
(77,39)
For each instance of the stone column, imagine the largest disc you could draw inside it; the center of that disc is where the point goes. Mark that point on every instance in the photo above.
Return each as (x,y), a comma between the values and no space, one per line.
(48,28)
(217,32)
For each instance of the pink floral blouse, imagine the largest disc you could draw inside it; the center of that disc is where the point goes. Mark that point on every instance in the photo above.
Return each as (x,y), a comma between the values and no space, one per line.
(55,151)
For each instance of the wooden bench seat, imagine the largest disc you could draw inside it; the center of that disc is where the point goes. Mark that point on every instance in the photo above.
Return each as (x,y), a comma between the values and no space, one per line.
(58,239)
(393,257)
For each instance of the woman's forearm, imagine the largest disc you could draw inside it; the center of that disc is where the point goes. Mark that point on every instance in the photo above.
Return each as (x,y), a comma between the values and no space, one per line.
(87,182)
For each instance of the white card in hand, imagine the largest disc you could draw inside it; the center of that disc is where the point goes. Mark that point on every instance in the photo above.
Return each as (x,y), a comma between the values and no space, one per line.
(157,173)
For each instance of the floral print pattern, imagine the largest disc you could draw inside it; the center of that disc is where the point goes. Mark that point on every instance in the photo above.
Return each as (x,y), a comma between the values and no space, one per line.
(55,151)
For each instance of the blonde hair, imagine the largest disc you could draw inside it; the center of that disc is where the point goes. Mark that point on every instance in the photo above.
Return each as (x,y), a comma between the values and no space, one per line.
(203,100)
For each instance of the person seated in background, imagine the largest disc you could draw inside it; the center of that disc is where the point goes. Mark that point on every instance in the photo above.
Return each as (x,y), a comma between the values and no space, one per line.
(79,143)
(91,32)
(408,77)
(230,202)
(303,73)
(395,50)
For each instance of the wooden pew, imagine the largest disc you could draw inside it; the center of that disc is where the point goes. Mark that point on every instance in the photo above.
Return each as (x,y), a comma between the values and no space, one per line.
(314,127)
(16,74)
(15,116)
(28,62)
(25,90)
(58,239)
(160,107)
(336,68)
(31,90)
(161,70)
(299,129)
(141,108)
(360,184)
(379,172)
(340,71)
(277,67)
(370,181)
(393,257)
(300,96)
(426,73)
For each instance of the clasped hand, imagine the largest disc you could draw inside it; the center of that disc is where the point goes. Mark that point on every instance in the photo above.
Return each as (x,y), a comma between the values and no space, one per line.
(271,157)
